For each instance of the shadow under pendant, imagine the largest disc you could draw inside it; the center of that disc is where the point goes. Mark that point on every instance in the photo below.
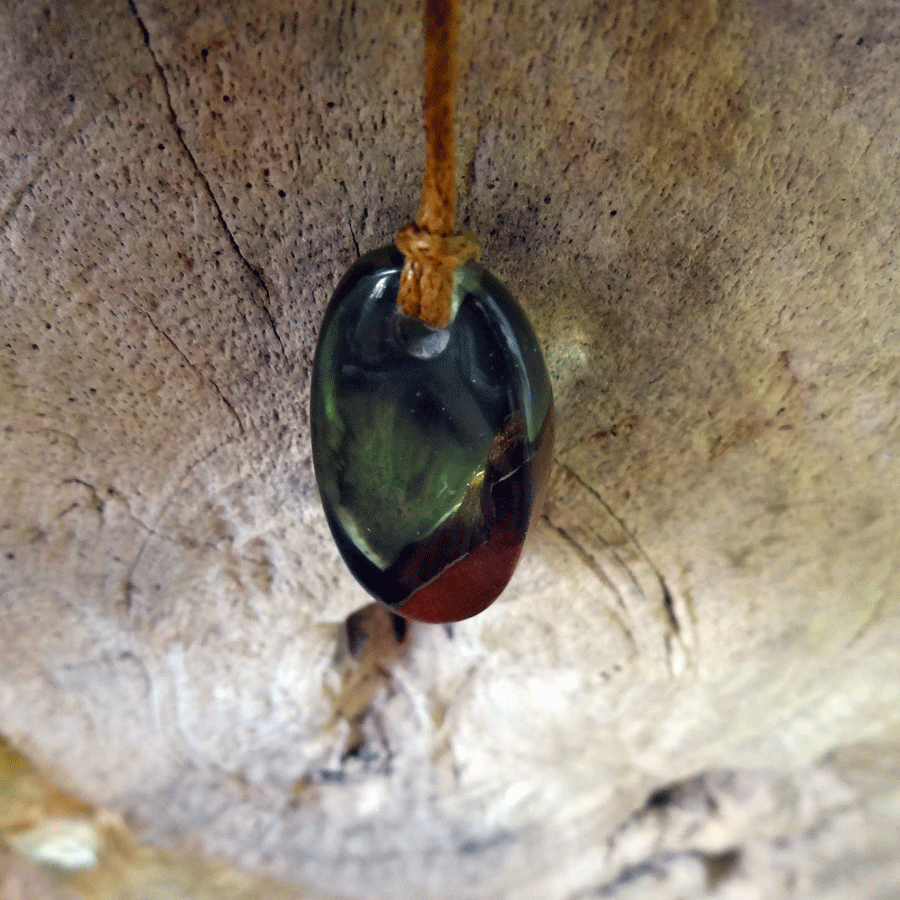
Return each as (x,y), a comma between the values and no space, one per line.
(431,447)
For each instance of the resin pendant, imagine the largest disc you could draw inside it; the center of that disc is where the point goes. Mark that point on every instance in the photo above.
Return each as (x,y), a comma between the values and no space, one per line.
(431,447)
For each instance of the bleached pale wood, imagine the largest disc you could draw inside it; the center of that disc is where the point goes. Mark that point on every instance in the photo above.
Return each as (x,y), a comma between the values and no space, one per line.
(697,203)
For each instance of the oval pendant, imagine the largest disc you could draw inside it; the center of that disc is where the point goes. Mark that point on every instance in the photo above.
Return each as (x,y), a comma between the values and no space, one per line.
(431,447)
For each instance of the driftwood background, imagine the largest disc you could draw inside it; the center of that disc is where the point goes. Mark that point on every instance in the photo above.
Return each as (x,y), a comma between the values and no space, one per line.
(692,686)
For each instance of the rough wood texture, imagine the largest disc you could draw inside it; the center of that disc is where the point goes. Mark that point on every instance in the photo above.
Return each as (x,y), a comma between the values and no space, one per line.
(690,688)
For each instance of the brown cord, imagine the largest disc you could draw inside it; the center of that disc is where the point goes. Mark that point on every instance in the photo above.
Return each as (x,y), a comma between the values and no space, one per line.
(433,252)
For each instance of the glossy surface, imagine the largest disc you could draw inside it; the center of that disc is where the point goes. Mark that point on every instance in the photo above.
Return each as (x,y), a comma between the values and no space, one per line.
(430,447)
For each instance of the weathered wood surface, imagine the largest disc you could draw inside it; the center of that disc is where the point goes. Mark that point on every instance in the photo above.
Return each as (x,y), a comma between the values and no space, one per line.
(697,203)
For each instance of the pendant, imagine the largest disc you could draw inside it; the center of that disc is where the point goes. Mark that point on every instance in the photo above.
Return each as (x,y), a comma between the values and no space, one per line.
(431,447)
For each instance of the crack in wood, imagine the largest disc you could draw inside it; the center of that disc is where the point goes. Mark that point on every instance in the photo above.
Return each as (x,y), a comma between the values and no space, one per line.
(254,271)
(674,639)
(98,504)
(353,237)
(128,586)
(870,621)
(667,602)
(197,372)
(42,164)
(617,615)
(350,219)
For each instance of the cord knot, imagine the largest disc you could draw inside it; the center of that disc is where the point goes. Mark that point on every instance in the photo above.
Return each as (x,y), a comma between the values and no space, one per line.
(426,283)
